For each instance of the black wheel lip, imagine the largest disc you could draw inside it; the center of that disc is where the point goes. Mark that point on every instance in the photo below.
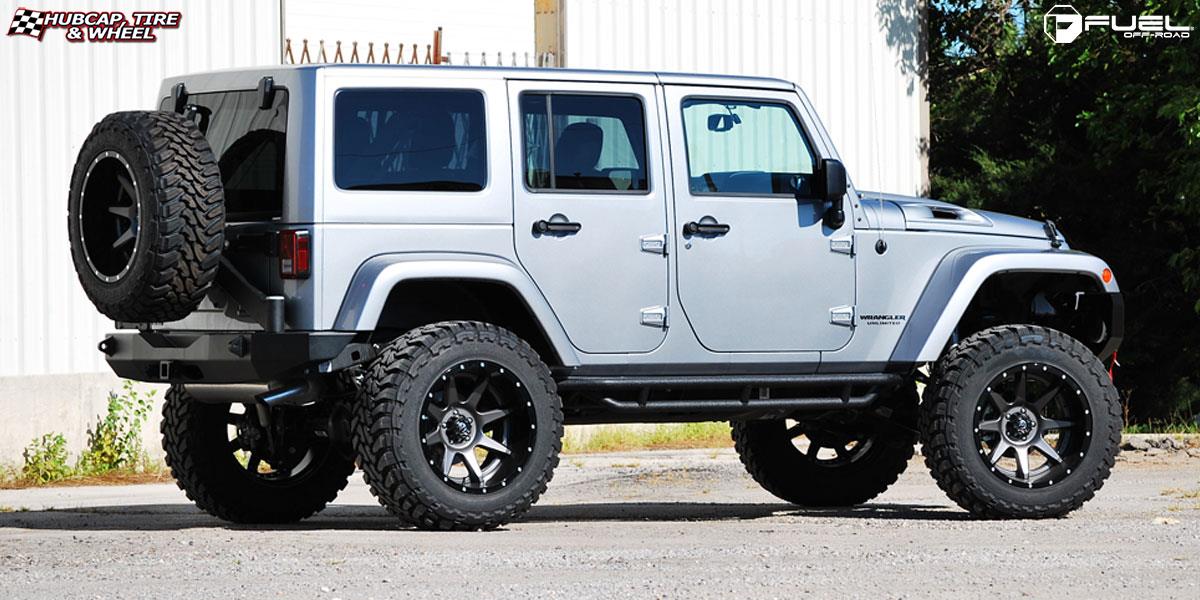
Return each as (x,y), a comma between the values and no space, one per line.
(87,257)
(466,485)
(1079,454)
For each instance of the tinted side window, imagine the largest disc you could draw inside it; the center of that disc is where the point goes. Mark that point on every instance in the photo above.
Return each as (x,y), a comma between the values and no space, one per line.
(249,143)
(430,140)
(584,142)
(741,147)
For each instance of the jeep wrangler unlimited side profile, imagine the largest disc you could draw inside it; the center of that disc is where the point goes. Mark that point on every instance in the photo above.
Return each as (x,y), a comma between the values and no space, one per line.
(430,270)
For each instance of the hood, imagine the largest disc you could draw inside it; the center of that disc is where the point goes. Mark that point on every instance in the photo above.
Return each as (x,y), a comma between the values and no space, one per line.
(924,214)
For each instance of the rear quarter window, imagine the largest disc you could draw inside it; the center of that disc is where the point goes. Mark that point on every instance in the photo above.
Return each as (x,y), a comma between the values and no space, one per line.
(419,140)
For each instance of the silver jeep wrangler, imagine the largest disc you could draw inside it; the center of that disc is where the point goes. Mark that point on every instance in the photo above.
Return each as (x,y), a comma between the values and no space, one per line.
(427,272)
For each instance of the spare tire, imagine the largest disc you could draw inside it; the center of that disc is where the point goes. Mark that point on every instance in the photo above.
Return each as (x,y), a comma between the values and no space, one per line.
(146,216)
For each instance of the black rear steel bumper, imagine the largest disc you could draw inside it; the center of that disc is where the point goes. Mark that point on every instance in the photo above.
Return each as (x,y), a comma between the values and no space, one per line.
(226,357)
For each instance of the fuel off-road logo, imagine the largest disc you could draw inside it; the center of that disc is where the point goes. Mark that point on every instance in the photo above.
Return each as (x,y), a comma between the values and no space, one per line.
(94,26)
(1064,24)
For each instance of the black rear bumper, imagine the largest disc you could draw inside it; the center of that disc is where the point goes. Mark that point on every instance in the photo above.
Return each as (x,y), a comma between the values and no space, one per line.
(226,357)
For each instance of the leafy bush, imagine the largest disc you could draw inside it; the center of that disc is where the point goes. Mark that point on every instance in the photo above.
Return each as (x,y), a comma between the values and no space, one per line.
(1103,136)
(115,442)
(46,459)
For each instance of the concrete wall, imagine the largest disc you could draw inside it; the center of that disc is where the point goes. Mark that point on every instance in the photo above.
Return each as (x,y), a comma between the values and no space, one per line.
(70,404)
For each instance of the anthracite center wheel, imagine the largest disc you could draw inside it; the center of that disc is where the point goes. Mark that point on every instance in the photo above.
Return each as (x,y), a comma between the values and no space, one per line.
(458,426)
(1020,421)
(1032,425)
(108,216)
(477,426)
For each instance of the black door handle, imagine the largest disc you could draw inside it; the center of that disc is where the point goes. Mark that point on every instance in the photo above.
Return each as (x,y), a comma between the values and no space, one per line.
(694,228)
(544,226)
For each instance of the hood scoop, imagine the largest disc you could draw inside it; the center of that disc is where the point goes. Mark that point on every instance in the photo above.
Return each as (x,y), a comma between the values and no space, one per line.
(923,212)
(920,212)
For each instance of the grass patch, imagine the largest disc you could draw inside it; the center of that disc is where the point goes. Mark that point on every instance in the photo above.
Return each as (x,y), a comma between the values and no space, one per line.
(666,436)
(146,472)
(1163,427)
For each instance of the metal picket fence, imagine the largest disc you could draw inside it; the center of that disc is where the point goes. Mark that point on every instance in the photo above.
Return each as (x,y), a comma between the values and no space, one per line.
(372,52)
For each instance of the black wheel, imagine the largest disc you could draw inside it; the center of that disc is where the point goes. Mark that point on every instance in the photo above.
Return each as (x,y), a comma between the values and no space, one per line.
(247,463)
(1020,421)
(146,216)
(839,459)
(458,426)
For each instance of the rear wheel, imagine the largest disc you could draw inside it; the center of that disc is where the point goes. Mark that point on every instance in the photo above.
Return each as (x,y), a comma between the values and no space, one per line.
(458,426)
(247,463)
(839,459)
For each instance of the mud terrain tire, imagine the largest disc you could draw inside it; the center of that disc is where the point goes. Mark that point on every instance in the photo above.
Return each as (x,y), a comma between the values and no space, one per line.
(146,216)
(767,451)
(396,417)
(961,388)
(199,454)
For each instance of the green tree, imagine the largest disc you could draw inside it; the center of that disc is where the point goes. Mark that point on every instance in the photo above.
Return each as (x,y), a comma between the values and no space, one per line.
(1103,136)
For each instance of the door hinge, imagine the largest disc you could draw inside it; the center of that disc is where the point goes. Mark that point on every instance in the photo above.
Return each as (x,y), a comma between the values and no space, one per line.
(655,244)
(842,315)
(655,316)
(844,245)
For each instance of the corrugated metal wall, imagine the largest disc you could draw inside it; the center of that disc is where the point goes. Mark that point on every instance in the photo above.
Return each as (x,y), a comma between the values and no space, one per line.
(53,92)
(859,61)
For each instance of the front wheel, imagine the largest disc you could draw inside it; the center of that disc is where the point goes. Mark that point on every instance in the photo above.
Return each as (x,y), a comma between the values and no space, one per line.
(1020,421)
(458,426)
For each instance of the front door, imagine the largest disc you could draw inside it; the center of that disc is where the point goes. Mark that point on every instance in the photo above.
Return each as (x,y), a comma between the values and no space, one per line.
(589,210)
(758,270)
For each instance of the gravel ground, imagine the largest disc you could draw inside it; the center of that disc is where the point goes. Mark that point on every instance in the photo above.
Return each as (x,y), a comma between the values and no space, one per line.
(649,524)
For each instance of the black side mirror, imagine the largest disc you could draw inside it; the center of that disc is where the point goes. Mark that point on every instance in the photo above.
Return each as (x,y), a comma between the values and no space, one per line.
(833,189)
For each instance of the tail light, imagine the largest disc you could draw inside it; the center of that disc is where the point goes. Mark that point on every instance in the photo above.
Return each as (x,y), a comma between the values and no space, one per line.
(294,254)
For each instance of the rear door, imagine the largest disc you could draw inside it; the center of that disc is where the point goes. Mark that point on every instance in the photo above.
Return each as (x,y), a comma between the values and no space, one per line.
(589,209)
(758,270)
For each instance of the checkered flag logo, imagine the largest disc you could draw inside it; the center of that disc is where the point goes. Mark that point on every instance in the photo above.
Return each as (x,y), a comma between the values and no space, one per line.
(28,22)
